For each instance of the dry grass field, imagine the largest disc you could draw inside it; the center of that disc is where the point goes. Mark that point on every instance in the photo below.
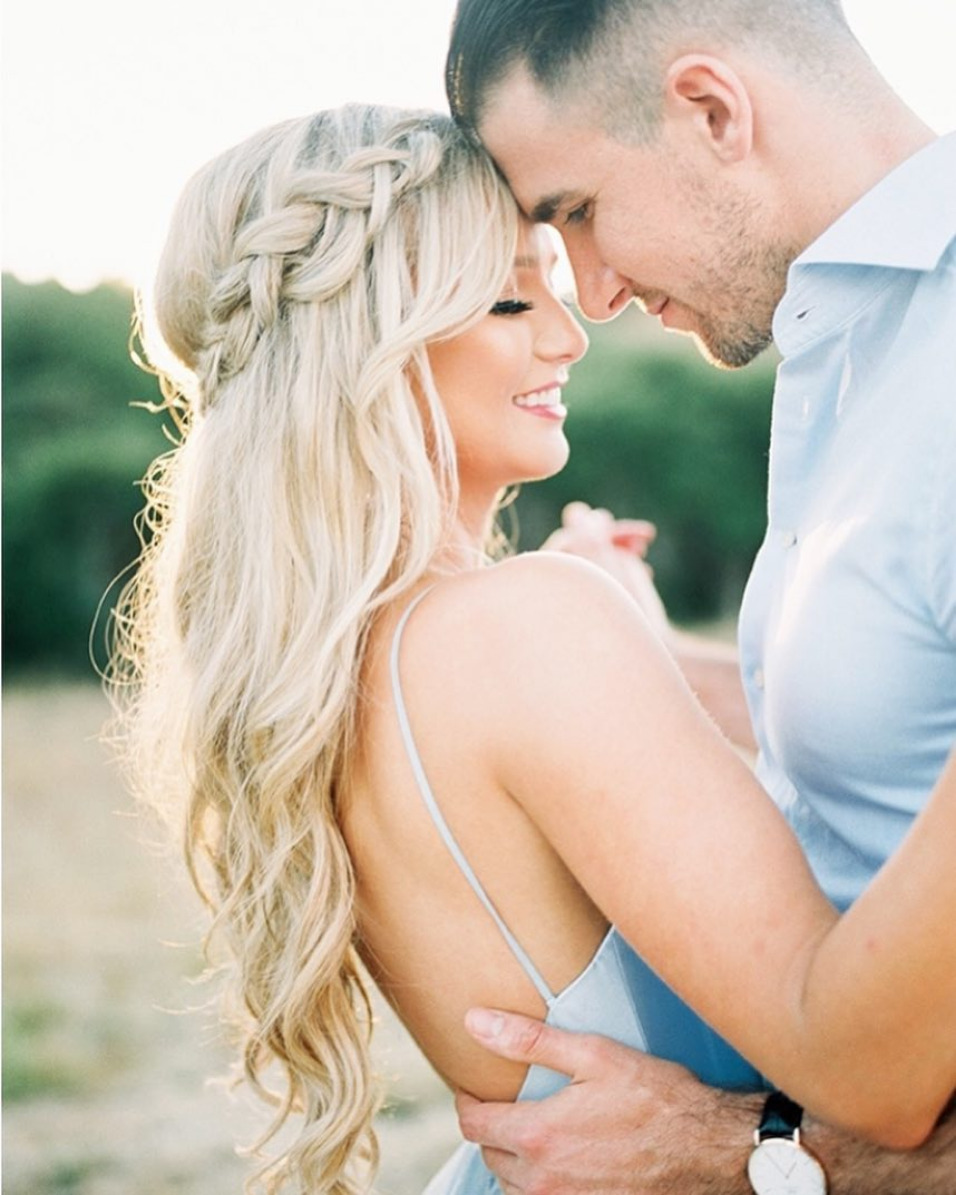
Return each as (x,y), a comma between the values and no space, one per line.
(106,1050)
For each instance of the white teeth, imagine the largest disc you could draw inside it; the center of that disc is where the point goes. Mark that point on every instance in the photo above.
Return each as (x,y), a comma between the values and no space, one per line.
(542,398)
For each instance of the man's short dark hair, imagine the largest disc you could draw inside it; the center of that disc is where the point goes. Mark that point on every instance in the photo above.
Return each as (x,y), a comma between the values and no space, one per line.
(611,52)
(490,36)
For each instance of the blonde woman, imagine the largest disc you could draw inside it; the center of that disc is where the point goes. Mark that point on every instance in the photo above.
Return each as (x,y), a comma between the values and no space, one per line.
(389,751)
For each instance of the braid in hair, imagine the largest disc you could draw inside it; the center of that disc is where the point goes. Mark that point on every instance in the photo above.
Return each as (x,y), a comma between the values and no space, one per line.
(304,275)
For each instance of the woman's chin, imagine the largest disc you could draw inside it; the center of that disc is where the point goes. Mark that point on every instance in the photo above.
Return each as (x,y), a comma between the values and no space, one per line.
(558,459)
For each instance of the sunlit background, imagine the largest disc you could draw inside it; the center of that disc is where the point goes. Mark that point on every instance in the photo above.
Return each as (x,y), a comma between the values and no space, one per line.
(109,106)
(107,109)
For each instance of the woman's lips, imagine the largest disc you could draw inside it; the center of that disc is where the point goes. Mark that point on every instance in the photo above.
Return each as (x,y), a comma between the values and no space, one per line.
(545,402)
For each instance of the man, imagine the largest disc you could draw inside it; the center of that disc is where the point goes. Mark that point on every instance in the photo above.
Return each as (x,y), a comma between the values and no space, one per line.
(740,169)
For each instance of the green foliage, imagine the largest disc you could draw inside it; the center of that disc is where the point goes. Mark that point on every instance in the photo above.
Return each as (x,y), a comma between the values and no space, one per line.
(29,1070)
(73,448)
(658,433)
(52,1050)
(655,433)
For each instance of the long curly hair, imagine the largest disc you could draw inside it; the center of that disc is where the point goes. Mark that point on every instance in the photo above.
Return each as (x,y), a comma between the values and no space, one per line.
(305,272)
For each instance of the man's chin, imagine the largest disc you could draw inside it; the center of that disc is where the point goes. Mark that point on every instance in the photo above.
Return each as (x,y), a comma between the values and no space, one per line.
(731,352)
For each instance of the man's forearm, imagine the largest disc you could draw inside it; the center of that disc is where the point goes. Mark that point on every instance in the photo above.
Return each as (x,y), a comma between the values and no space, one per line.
(633,1124)
(853,1166)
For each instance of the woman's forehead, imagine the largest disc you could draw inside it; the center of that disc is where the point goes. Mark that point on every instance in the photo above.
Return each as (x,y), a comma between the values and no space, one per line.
(535,249)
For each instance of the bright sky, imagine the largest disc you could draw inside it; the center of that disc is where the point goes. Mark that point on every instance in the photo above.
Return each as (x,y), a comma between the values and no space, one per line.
(109,106)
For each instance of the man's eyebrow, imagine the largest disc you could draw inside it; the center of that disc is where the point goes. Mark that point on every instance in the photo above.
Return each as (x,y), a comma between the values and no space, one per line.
(545,209)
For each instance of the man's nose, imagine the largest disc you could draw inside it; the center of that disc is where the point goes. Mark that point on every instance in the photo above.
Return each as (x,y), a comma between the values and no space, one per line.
(602,292)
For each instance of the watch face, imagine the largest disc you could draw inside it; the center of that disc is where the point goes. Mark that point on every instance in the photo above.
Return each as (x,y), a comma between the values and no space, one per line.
(780,1167)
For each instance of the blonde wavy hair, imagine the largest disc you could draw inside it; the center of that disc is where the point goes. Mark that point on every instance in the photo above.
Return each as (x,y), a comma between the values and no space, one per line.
(305,273)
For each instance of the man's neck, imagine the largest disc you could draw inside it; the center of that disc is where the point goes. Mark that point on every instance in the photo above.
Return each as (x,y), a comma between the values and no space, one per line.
(841,167)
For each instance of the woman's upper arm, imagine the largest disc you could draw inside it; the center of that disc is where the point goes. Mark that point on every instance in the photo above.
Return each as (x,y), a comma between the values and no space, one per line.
(665,826)
(652,810)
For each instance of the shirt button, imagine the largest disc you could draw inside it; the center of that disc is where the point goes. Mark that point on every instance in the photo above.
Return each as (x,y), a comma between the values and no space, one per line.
(758,678)
(788,538)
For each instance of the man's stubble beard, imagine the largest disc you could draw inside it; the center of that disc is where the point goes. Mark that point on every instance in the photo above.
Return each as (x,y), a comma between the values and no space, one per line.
(747,277)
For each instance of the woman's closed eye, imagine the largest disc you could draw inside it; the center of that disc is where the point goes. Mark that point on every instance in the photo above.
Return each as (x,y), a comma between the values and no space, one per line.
(511,307)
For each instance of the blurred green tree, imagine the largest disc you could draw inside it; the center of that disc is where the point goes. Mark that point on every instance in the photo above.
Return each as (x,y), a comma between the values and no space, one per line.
(655,432)
(73,449)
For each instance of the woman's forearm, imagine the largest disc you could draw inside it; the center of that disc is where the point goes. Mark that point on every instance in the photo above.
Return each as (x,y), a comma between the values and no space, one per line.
(889,965)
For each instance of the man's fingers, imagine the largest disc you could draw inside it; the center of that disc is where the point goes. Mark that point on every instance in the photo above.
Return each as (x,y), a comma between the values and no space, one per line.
(523,1039)
(504,1166)
(492,1126)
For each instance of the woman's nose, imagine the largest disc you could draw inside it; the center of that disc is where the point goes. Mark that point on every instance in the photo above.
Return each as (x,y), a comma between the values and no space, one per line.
(562,338)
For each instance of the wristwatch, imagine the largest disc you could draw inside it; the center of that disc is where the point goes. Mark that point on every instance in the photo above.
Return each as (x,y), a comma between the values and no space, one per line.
(780,1163)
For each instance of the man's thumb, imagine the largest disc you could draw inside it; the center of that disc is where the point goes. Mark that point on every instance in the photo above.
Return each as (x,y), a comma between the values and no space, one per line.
(523,1039)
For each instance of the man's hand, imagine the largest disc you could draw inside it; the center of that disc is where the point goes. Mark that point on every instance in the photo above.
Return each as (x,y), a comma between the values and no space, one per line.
(627,1123)
(631,1124)
(618,546)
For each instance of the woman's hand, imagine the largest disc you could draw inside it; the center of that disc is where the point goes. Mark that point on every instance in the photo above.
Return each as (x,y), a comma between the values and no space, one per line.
(619,547)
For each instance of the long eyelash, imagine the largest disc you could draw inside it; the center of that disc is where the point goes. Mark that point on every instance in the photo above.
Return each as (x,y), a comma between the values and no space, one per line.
(576,215)
(510,307)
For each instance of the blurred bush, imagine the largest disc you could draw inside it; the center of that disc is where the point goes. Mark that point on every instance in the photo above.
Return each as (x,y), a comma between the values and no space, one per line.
(655,432)
(73,449)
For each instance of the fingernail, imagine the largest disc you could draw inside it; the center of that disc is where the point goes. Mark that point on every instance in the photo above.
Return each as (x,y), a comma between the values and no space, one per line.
(483,1023)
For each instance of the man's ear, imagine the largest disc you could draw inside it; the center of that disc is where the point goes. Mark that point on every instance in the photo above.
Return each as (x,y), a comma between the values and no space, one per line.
(710,99)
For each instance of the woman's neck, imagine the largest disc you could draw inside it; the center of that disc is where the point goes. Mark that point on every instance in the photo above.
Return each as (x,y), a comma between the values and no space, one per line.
(465,548)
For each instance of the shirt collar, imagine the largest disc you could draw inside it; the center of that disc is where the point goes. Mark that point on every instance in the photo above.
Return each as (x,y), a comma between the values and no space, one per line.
(905,222)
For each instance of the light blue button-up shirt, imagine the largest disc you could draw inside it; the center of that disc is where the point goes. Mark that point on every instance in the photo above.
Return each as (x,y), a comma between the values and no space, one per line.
(848,626)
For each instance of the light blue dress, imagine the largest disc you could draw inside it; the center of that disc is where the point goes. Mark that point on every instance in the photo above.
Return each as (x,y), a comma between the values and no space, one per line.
(617,995)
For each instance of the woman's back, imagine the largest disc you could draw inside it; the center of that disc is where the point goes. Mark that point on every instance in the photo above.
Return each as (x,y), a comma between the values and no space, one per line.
(426,937)
(461,900)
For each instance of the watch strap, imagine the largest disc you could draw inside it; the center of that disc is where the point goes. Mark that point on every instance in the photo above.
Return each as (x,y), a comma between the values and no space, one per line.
(781,1118)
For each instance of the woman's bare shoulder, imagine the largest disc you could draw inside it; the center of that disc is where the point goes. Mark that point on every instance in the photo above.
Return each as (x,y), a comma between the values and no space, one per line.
(495,619)
(534,586)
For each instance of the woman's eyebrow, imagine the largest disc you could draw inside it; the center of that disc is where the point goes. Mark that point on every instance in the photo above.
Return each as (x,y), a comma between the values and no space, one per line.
(534,262)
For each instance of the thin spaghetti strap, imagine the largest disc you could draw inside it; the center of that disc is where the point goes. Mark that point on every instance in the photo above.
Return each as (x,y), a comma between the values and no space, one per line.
(437,817)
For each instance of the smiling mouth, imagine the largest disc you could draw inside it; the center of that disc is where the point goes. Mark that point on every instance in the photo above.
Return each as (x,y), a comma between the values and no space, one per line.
(542,402)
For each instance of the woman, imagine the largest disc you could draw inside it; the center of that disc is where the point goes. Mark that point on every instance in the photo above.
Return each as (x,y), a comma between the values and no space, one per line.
(390,750)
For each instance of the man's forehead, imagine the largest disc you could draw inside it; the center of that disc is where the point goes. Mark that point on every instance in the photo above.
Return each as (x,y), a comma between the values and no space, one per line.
(535,144)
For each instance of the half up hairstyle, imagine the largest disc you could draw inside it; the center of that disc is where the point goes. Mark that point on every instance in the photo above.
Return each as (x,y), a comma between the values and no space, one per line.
(304,274)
